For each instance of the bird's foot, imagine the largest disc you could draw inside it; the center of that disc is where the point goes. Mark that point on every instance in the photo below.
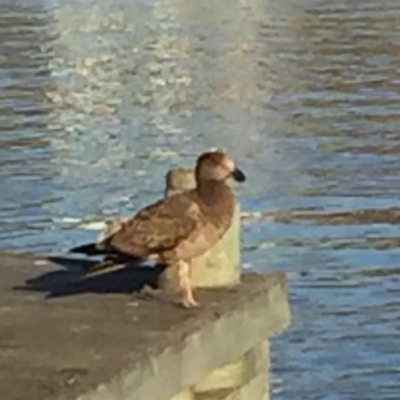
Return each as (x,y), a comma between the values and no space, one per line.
(190,303)
(147,292)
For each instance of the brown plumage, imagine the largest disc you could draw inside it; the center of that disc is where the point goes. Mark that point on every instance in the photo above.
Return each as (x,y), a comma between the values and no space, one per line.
(179,228)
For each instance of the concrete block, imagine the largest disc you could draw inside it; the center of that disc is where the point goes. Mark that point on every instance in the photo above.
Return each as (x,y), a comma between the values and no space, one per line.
(178,180)
(238,372)
(83,344)
(185,395)
(256,389)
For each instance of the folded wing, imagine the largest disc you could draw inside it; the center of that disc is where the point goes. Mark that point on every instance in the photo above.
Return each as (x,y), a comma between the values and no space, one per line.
(157,228)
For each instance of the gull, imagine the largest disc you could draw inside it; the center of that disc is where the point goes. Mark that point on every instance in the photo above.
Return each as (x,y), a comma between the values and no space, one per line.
(175,230)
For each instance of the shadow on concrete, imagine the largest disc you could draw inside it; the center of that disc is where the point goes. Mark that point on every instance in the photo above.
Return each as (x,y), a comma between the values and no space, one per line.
(72,279)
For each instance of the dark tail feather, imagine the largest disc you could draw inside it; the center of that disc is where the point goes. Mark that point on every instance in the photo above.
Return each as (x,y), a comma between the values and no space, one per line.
(88,249)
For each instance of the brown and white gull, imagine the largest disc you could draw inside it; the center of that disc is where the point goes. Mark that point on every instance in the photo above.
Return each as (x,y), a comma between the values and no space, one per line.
(177,229)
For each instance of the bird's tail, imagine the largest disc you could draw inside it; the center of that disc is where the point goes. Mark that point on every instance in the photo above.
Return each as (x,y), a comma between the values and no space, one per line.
(103,267)
(112,263)
(90,249)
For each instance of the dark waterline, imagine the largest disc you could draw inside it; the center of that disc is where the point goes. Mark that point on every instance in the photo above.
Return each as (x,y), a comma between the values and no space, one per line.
(98,99)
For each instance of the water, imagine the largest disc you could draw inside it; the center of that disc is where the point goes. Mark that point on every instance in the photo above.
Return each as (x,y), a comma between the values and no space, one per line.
(99,98)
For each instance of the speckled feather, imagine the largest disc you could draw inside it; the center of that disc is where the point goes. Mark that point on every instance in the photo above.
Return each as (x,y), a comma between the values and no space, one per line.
(182,226)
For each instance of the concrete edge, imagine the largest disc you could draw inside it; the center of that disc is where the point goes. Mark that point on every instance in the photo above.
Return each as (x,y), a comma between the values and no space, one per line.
(204,349)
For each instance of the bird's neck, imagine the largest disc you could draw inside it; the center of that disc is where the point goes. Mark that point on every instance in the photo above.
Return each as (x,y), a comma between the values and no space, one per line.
(213,192)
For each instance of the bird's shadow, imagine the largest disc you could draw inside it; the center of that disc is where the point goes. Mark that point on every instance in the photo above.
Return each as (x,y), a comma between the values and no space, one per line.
(71,279)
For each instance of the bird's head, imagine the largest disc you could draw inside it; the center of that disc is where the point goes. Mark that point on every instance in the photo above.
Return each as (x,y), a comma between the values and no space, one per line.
(216,165)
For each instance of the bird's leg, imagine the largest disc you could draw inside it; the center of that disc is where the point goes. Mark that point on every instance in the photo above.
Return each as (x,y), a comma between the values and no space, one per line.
(186,286)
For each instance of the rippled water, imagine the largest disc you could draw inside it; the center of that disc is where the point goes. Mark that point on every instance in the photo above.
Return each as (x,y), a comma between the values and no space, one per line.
(99,98)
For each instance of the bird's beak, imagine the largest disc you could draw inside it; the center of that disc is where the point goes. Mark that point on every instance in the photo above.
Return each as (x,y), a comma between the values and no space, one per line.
(238,175)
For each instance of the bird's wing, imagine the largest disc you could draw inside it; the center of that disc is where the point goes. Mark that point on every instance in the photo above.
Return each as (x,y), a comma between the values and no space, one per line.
(158,227)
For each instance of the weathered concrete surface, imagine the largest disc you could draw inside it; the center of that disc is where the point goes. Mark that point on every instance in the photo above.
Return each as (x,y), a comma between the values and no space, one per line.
(238,372)
(104,343)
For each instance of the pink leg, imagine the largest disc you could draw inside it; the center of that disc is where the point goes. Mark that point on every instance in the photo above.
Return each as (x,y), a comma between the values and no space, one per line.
(185,286)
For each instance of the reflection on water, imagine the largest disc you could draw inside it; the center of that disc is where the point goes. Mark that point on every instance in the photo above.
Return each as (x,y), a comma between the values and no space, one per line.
(99,98)
(25,151)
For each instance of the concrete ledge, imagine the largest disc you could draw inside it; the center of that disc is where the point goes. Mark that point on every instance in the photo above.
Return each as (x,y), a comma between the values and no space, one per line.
(110,344)
(256,389)
(237,373)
